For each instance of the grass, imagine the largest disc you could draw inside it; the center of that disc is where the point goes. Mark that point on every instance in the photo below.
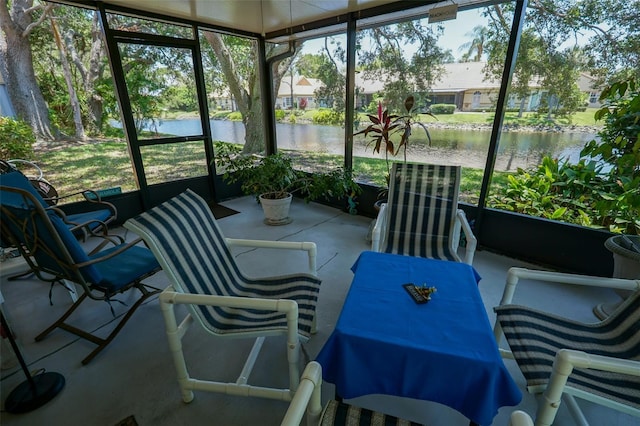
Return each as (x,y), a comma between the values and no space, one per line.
(580,118)
(106,164)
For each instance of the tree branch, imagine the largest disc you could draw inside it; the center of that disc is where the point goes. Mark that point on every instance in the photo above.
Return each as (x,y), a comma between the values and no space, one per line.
(42,17)
(541,8)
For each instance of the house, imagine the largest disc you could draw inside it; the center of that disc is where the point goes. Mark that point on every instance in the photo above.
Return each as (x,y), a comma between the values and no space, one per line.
(291,94)
(464,84)
(588,85)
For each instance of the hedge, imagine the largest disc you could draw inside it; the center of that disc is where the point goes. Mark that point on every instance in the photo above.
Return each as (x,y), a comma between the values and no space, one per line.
(442,108)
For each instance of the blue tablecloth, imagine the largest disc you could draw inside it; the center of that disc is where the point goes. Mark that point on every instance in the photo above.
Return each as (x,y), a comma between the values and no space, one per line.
(442,351)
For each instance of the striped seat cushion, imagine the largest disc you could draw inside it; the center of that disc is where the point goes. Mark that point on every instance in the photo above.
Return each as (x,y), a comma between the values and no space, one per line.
(423,201)
(198,261)
(339,413)
(534,338)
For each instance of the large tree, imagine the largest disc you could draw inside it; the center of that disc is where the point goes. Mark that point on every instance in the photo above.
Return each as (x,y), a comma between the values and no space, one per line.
(16,63)
(611,26)
(562,38)
(236,59)
(386,59)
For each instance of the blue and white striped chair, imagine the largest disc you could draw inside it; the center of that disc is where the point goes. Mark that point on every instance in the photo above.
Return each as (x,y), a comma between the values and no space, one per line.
(421,217)
(185,238)
(308,400)
(599,362)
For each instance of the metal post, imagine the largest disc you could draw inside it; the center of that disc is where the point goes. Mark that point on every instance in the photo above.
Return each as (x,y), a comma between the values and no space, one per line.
(507,73)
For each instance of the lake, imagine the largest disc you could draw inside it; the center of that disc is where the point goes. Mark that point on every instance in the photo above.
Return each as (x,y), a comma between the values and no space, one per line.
(453,146)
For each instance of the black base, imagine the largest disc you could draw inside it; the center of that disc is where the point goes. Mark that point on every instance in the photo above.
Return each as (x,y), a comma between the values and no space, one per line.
(32,394)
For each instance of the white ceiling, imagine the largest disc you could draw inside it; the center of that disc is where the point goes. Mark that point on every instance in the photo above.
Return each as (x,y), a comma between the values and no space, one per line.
(255,16)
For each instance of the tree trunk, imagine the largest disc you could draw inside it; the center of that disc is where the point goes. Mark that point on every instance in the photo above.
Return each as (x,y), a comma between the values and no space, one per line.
(249,103)
(16,65)
(90,75)
(95,101)
(66,70)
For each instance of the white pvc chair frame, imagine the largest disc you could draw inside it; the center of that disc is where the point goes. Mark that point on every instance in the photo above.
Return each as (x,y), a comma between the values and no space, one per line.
(566,359)
(175,332)
(379,233)
(308,400)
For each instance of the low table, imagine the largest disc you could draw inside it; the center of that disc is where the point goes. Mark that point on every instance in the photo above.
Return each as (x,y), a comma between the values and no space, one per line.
(442,351)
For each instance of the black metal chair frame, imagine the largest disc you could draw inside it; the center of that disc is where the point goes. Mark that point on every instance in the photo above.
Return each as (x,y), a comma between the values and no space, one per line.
(32,248)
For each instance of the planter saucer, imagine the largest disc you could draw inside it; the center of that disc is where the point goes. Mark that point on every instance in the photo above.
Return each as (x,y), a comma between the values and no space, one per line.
(278,222)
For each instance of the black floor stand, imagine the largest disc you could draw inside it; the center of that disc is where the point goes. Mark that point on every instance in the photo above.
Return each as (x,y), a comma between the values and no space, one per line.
(35,391)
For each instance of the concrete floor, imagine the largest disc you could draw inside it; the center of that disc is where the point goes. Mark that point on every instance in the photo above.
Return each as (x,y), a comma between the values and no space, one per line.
(134,375)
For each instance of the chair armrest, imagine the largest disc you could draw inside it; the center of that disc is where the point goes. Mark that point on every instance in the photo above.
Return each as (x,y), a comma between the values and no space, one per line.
(88,230)
(286,306)
(109,239)
(520,418)
(307,398)
(309,247)
(379,229)
(514,275)
(472,241)
(95,199)
(564,363)
(98,200)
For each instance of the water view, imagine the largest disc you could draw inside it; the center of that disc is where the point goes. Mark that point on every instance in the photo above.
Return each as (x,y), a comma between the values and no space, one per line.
(465,147)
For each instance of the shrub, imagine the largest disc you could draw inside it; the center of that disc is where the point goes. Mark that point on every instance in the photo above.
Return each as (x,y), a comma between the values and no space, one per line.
(328,116)
(579,193)
(235,116)
(442,108)
(619,149)
(279,114)
(16,139)
(221,115)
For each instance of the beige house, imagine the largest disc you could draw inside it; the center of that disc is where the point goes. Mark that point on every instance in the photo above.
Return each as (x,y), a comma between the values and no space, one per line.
(464,85)
(302,88)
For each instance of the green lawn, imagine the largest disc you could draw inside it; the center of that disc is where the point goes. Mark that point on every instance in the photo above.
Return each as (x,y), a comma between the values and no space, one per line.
(580,118)
(584,118)
(106,164)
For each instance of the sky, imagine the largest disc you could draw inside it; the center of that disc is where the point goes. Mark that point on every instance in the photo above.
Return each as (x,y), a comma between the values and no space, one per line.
(455,33)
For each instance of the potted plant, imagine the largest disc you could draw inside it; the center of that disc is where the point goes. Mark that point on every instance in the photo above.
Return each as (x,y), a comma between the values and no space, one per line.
(618,150)
(273,180)
(385,125)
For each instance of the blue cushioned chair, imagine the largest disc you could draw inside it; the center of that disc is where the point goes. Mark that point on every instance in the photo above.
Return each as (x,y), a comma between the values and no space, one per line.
(185,238)
(83,224)
(54,254)
(421,217)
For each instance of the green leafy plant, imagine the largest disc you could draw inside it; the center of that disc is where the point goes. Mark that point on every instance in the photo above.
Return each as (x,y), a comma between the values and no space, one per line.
(16,139)
(555,190)
(619,149)
(603,189)
(274,176)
